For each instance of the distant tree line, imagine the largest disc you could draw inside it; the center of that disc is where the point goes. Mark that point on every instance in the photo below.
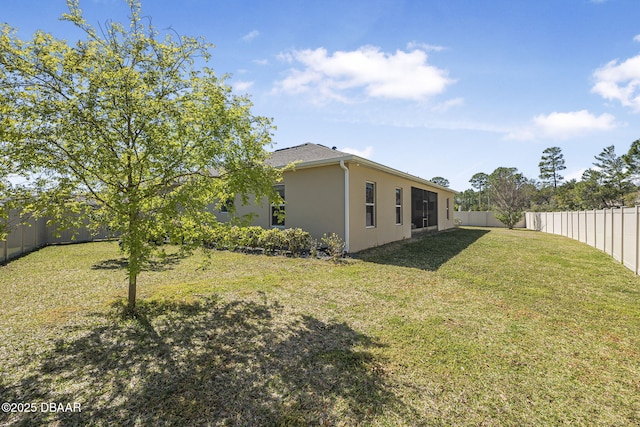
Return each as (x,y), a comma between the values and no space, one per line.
(611,182)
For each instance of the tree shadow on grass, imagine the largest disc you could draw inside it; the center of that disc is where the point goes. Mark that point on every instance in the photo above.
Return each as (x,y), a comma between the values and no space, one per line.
(425,251)
(209,363)
(163,263)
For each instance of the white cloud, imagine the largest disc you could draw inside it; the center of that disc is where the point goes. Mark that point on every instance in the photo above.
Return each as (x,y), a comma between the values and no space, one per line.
(250,36)
(366,153)
(567,125)
(399,75)
(285,57)
(564,125)
(424,46)
(620,81)
(447,105)
(261,61)
(241,86)
(637,38)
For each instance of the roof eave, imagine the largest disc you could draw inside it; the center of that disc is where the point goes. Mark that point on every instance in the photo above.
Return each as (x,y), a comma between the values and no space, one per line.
(361,160)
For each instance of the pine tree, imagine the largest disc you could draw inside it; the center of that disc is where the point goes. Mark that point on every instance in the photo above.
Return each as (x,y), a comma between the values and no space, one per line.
(550,166)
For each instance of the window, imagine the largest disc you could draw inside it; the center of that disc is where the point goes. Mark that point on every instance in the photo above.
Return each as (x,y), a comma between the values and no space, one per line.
(370,204)
(277,211)
(398,206)
(447,208)
(227,205)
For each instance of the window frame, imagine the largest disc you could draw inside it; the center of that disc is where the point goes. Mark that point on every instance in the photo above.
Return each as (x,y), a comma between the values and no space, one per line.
(227,205)
(279,188)
(447,209)
(399,205)
(371,204)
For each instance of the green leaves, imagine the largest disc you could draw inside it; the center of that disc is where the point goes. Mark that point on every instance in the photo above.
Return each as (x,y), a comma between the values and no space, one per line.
(510,194)
(123,122)
(551,164)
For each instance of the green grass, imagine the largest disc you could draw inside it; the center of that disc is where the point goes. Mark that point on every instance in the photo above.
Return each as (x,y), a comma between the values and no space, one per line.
(468,327)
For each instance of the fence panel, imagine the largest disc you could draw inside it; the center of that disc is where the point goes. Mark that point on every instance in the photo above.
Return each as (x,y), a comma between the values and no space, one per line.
(600,229)
(551,220)
(29,236)
(589,228)
(614,231)
(24,238)
(14,244)
(629,244)
(482,219)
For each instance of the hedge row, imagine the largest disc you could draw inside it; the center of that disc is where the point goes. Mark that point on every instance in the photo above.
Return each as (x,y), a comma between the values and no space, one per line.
(290,241)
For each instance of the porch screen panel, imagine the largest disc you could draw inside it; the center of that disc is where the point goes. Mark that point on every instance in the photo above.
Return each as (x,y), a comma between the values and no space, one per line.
(432,211)
(416,207)
(424,208)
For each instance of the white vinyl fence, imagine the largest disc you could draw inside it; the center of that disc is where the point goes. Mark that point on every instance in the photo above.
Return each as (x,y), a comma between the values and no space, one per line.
(614,231)
(35,234)
(481,219)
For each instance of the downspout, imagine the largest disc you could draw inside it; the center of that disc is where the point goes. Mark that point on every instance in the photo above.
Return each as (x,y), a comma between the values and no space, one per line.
(346,205)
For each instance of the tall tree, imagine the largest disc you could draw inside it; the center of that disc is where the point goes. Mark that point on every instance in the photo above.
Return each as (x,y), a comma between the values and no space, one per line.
(551,165)
(510,194)
(632,158)
(466,200)
(122,130)
(614,176)
(479,182)
(440,181)
(590,192)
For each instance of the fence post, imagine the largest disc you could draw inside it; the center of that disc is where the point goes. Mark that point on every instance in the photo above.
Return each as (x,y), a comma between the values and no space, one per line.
(572,234)
(637,239)
(622,234)
(595,229)
(604,230)
(611,238)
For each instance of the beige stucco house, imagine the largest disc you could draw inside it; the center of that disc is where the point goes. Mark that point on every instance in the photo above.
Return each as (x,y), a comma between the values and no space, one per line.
(366,203)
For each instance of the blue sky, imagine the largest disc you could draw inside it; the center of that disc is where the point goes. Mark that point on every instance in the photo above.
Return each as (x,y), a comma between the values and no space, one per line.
(434,87)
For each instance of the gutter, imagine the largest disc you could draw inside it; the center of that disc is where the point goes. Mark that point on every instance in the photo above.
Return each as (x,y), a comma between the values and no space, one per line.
(346,205)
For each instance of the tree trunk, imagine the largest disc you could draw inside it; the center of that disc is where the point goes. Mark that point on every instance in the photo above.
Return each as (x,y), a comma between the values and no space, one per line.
(135,255)
(133,277)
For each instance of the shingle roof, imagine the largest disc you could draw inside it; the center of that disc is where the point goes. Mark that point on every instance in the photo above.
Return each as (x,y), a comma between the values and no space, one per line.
(303,153)
(316,154)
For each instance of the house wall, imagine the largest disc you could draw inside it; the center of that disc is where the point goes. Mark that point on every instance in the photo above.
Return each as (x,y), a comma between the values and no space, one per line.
(314,202)
(386,230)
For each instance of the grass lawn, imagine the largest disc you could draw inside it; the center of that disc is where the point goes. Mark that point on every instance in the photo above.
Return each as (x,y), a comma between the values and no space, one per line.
(469,327)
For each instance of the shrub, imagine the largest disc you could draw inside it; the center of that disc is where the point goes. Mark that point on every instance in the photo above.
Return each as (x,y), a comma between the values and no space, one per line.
(251,237)
(271,240)
(296,240)
(335,246)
